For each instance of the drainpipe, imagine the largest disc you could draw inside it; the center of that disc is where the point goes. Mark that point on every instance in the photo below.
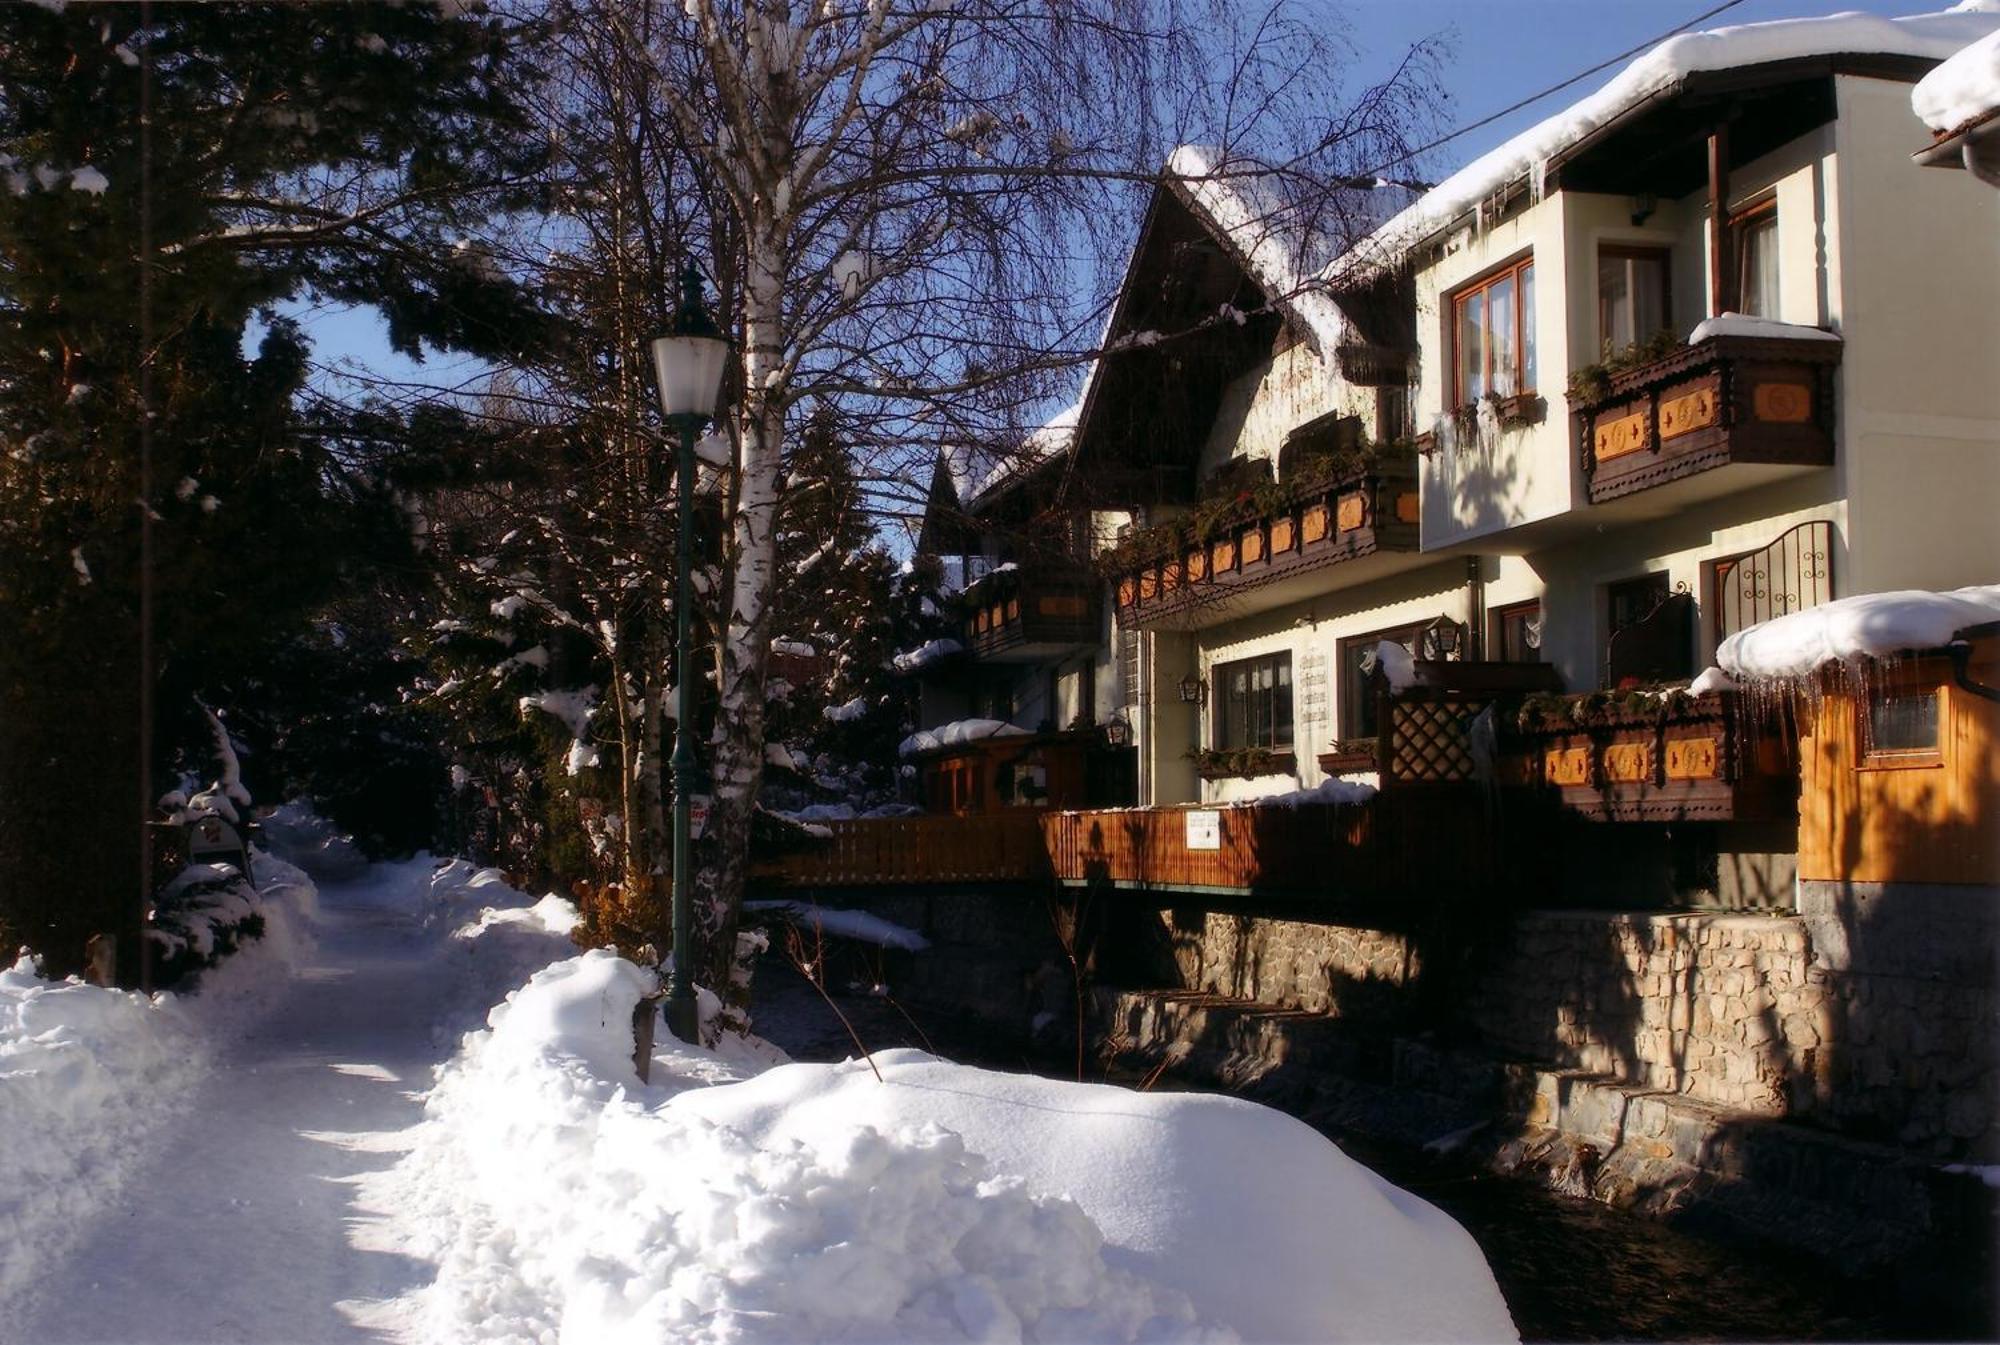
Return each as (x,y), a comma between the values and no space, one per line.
(1475,609)
(1961,654)
(1721,274)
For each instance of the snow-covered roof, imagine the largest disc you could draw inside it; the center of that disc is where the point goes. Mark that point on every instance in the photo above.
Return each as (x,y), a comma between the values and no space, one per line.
(978,472)
(956,734)
(1964,90)
(1934,36)
(1250,208)
(1847,630)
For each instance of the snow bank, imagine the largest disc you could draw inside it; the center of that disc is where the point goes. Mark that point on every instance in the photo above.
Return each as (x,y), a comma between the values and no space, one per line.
(88,1074)
(566,1201)
(497,934)
(861,926)
(1867,625)
(1936,36)
(1962,90)
(956,734)
(314,844)
(1738,324)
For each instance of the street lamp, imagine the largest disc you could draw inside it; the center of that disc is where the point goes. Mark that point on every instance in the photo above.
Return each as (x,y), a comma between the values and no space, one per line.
(689,363)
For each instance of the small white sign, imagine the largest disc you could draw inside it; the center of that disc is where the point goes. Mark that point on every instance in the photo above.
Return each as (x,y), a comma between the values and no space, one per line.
(1204,829)
(697,816)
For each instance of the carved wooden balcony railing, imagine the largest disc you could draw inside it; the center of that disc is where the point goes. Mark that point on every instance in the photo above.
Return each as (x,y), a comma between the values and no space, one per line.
(1026,615)
(1728,400)
(1645,757)
(1317,527)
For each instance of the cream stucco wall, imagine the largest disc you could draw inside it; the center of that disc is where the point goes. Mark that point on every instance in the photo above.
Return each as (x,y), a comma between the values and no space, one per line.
(1261,407)
(1918,301)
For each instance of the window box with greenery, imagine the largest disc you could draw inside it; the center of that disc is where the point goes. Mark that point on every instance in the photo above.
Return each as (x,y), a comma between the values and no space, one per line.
(1334,503)
(1252,718)
(1243,763)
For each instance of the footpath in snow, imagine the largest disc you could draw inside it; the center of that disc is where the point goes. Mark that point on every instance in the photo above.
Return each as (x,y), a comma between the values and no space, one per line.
(331,1160)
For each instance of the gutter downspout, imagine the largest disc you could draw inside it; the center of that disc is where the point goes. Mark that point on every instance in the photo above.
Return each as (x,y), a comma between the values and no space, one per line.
(1475,609)
(1721,272)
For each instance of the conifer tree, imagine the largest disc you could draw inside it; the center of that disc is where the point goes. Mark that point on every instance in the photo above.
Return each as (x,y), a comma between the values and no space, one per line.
(172,507)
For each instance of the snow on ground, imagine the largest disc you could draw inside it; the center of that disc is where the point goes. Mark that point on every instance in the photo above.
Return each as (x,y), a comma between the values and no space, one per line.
(565,1200)
(1866,625)
(295,1153)
(1963,89)
(89,1076)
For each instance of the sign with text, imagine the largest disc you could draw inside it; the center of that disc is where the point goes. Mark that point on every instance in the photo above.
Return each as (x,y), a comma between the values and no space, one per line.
(1204,829)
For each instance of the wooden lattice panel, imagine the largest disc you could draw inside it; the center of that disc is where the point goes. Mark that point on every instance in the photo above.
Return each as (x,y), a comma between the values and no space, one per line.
(1428,742)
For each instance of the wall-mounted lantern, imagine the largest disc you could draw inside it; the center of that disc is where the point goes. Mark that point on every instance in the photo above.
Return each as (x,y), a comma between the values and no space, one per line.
(1117,733)
(1442,639)
(1194,691)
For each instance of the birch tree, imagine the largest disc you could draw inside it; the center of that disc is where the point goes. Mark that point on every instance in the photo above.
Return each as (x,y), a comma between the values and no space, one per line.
(914,214)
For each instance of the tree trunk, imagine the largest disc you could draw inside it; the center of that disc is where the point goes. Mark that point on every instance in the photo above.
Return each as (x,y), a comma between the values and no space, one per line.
(746,633)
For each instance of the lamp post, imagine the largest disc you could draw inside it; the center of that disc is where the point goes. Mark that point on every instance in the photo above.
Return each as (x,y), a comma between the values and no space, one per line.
(689,363)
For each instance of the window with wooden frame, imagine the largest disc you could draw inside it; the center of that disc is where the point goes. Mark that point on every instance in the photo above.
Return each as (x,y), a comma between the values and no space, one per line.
(1753,233)
(1253,703)
(1900,723)
(1633,294)
(1358,710)
(1493,335)
(1515,632)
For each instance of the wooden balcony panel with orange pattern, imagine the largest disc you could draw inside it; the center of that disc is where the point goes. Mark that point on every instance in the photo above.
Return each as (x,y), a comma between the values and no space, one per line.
(1729,400)
(1358,517)
(1702,758)
(1031,614)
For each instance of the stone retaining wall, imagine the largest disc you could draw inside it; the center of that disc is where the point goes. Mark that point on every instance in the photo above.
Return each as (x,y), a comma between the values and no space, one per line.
(1873,1013)
(1723,1008)
(1342,970)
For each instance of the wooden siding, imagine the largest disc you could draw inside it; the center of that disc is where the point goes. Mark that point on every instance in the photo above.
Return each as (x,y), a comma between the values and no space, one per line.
(1935,822)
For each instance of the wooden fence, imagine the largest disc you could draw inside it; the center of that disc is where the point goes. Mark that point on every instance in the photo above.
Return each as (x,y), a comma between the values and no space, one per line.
(990,847)
(1396,844)
(1391,845)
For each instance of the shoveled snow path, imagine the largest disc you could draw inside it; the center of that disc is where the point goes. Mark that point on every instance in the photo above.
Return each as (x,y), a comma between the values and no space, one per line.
(245,1223)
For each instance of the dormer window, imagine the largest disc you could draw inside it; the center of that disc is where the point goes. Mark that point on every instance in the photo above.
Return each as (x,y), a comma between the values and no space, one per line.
(1493,335)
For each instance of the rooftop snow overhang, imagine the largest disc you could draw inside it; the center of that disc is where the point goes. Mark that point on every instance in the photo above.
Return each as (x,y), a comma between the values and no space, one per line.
(1948,148)
(1658,145)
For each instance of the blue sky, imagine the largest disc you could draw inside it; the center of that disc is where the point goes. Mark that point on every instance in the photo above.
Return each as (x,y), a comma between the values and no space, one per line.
(1502,50)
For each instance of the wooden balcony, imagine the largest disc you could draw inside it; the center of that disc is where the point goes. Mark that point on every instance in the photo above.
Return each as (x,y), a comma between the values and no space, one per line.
(1261,559)
(1732,401)
(1645,758)
(1031,615)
